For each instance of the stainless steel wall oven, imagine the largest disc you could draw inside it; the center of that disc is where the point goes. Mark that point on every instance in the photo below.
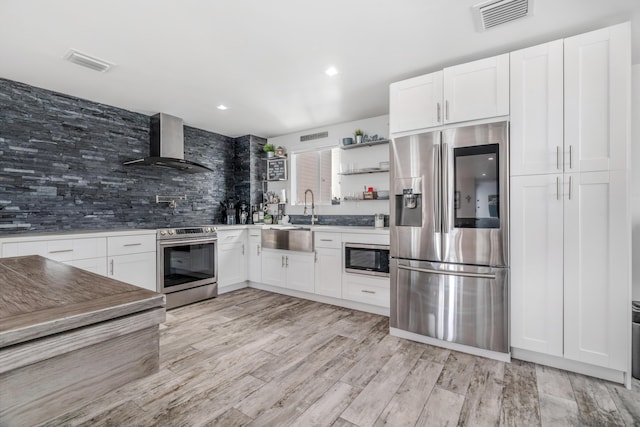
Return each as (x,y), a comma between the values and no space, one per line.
(187,264)
(366,259)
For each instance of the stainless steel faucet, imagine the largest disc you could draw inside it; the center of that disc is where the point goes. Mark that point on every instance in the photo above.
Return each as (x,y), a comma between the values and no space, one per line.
(314,218)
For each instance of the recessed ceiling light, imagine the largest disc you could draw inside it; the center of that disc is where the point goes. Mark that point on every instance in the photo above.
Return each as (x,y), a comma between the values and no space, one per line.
(484,174)
(331,71)
(222,107)
(490,158)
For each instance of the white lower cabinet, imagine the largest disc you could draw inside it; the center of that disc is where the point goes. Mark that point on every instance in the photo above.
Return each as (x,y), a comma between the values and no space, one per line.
(255,257)
(232,257)
(132,259)
(366,289)
(570,266)
(63,250)
(300,271)
(328,258)
(328,272)
(231,264)
(536,263)
(596,274)
(288,269)
(273,272)
(137,269)
(94,265)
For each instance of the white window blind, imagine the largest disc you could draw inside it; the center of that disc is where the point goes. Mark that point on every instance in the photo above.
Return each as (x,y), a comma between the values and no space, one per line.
(315,170)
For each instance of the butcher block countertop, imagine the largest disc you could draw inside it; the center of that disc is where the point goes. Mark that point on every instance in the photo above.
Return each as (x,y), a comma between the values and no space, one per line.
(40,297)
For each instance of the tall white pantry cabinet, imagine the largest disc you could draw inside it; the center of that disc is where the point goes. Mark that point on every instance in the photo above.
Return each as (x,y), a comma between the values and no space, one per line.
(570,211)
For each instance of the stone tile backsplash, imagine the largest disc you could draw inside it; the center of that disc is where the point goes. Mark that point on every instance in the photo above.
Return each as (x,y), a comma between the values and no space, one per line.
(61,167)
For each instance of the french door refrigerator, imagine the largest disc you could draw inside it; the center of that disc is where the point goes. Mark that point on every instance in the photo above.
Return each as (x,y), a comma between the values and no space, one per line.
(449,235)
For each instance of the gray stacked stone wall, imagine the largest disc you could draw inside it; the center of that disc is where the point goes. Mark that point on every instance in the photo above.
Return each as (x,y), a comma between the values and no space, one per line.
(61,167)
(339,220)
(258,168)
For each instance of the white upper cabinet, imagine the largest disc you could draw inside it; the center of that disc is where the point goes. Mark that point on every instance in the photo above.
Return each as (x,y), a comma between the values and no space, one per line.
(597,274)
(597,99)
(477,90)
(537,121)
(472,91)
(416,103)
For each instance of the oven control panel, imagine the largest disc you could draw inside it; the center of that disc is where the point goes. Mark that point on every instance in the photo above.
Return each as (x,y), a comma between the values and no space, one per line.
(168,233)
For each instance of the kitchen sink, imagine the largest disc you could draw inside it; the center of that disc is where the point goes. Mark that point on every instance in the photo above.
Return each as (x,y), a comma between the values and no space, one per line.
(288,237)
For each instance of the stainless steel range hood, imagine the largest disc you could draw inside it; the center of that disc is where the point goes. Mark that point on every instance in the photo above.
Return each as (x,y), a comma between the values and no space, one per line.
(167,146)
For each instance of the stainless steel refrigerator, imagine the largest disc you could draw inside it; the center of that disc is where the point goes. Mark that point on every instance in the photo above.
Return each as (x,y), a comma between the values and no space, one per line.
(449,235)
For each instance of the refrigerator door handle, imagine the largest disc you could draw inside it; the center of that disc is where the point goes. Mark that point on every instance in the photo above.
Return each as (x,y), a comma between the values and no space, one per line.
(437,202)
(448,273)
(444,188)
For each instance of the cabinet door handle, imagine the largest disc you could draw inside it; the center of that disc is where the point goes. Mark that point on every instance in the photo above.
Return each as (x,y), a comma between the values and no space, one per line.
(287,261)
(326,240)
(367,292)
(257,250)
(570,157)
(446,110)
(282,266)
(111,267)
(132,244)
(315,256)
(570,185)
(438,112)
(243,249)
(558,157)
(557,188)
(61,251)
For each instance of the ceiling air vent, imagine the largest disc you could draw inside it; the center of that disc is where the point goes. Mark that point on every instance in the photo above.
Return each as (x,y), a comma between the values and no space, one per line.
(313,136)
(87,61)
(492,13)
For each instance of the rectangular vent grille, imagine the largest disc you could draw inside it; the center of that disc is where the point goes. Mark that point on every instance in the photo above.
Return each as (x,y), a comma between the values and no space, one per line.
(493,13)
(313,136)
(87,61)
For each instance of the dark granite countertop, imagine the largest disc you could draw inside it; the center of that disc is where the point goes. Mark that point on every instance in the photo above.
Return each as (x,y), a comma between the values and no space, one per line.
(40,297)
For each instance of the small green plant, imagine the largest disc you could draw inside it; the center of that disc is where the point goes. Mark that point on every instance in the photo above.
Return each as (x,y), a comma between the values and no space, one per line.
(269,147)
(358,132)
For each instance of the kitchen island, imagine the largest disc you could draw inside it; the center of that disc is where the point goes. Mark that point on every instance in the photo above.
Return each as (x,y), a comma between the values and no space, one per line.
(68,336)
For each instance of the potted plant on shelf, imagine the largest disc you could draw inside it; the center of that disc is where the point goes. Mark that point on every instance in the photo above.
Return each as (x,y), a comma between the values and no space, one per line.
(269,149)
(358,133)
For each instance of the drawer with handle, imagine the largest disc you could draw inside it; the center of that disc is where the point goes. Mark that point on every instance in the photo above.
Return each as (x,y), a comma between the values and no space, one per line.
(368,290)
(230,236)
(124,245)
(327,240)
(58,250)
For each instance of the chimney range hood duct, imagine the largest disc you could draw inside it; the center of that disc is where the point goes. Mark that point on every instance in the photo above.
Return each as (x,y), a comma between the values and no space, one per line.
(167,146)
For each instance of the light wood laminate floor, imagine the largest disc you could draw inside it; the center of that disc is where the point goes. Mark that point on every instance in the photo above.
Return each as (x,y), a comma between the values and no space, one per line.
(256,358)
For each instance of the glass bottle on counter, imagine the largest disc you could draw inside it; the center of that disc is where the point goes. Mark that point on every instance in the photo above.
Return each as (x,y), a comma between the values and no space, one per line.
(254,215)
(261,214)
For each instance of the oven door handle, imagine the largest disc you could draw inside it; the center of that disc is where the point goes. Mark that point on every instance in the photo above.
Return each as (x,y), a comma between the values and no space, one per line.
(349,245)
(449,273)
(186,241)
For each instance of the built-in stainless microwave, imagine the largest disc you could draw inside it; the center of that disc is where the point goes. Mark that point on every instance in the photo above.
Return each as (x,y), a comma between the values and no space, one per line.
(369,259)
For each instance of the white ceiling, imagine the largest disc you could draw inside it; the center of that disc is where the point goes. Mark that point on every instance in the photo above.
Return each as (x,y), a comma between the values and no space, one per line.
(265,60)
